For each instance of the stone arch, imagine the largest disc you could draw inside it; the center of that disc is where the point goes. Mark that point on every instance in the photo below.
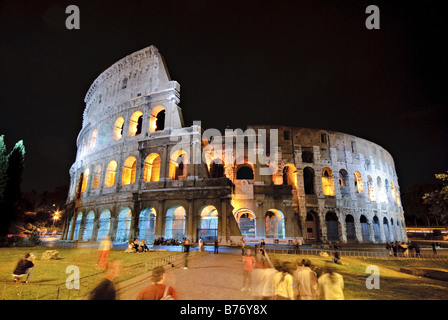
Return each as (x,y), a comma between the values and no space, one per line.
(332,223)
(365,231)
(103,225)
(244,172)
(246,220)
(124,219)
(178,169)
(111,172)
(376,229)
(327,182)
(147,224)
(308,180)
(290,175)
(129,171)
(175,222)
(216,168)
(387,232)
(350,227)
(275,224)
(371,189)
(208,223)
(359,184)
(93,139)
(344,184)
(96,177)
(312,226)
(85,180)
(88,227)
(151,168)
(135,124)
(157,119)
(118,128)
(77,225)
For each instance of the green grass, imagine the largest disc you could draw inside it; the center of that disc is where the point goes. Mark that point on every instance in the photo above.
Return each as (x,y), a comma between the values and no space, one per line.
(49,273)
(394,285)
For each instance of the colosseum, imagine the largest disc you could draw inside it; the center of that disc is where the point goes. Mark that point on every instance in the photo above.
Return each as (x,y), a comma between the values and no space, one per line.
(141,173)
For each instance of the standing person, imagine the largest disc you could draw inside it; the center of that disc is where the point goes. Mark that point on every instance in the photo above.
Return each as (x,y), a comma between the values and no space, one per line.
(283,284)
(216,246)
(395,248)
(248,263)
(305,281)
(201,245)
(24,268)
(103,253)
(389,249)
(434,248)
(243,246)
(331,285)
(405,249)
(157,290)
(186,252)
(262,246)
(106,289)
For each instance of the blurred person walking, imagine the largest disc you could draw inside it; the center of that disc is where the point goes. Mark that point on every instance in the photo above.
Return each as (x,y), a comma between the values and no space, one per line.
(305,281)
(157,290)
(248,263)
(103,253)
(283,284)
(331,285)
(106,289)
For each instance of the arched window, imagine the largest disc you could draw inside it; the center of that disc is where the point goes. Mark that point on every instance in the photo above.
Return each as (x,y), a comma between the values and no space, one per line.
(386,229)
(147,225)
(350,227)
(327,182)
(343,182)
(365,229)
(175,223)
(275,224)
(208,230)
(393,192)
(93,139)
(111,171)
(216,169)
(77,226)
(123,225)
(118,128)
(246,222)
(85,180)
(157,119)
(308,180)
(103,225)
(371,189)
(290,175)
(379,187)
(151,168)
(88,228)
(376,229)
(332,222)
(129,171)
(135,125)
(359,185)
(96,177)
(245,172)
(178,165)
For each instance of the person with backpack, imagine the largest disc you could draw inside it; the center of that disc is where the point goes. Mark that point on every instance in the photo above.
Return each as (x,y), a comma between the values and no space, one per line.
(157,290)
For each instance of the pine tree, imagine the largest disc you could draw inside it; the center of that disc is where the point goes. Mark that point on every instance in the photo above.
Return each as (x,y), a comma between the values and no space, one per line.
(15,162)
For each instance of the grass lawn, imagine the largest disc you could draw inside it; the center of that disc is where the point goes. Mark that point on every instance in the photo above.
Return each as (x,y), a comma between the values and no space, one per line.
(51,272)
(394,285)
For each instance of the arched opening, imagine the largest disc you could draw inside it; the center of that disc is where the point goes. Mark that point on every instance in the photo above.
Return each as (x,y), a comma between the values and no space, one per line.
(275,224)
(208,229)
(332,222)
(379,187)
(364,229)
(359,185)
(392,191)
(290,175)
(77,226)
(245,172)
(88,227)
(123,225)
(147,225)
(157,119)
(151,168)
(118,128)
(111,171)
(175,223)
(96,177)
(371,189)
(246,222)
(103,225)
(327,182)
(135,124)
(376,229)
(93,139)
(394,229)
(386,229)
(311,226)
(308,180)
(350,228)
(216,169)
(388,194)
(85,180)
(343,182)
(129,171)
(178,165)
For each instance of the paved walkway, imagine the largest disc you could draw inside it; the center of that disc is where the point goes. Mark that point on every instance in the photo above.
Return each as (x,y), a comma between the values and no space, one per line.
(209,277)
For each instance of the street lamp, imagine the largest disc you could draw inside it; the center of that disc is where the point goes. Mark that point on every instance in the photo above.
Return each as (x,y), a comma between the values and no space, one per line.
(55,216)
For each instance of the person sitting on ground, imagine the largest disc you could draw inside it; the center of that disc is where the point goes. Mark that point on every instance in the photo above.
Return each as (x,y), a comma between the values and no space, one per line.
(130,248)
(157,290)
(336,259)
(24,268)
(137,245)
(143,245)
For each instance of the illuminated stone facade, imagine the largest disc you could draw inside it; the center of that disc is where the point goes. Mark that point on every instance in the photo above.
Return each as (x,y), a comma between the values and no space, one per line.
(135,177)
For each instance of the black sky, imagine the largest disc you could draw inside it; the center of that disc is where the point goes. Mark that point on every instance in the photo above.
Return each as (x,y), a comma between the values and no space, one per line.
(299,63)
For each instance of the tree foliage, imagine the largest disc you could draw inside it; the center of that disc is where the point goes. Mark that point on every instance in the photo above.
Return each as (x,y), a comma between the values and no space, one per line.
(11,169)
(438,199)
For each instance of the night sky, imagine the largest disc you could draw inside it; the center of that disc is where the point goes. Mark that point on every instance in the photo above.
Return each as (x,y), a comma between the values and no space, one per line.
(297,63)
